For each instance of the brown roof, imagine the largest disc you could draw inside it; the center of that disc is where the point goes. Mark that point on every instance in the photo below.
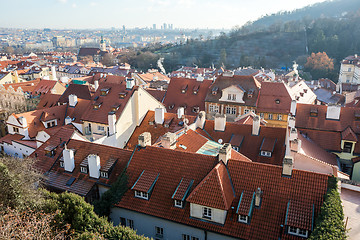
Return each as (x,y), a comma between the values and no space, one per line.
(274,97)
(48,100)
(188,93)
(145,181)
(157,94)
(348,134)
(245,82)
(44,86)
(81,91)
(300,215)
(27,86)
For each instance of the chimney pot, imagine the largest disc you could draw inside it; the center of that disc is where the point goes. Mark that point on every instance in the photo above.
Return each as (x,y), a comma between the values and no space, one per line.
(333,112)
(112,123)
(72,100)
(96,84)
(200,120)
(293,107)
(180,112)
(144,139)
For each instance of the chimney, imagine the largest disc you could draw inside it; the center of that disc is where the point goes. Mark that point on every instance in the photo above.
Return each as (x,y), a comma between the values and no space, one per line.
(53,73)
(23,122)
(112,123)
(220,122)
(96,84)
(130,83)
(258,197)
(144,139)
(293,107)
(69,160)
(293,134)
(200,78)
(296,145)
(333,112)
(94,165)
(200,120)
(180,112)
(159,115)
(72,100)
(169,140)
(291,122)
(256,126)
(68,120)
(288,164)
(225,153)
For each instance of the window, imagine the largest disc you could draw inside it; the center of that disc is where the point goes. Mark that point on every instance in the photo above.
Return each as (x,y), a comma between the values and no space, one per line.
(234,97)
(61,164)
(207,213)
(229,96)
(101,128)
(270,116)
(213,108)
(186,237)
(83,169)
(262,115)
(243,218)
(348,147)
(349,69)
(123,221)
(230,110)
(279,117)
(16,130)
(246,111)
(236,148)
(130,223)
(159,231)
(104,174)
(194,238)
(50,124)
(297,231)
(265,153)
(142,195)
(178,203)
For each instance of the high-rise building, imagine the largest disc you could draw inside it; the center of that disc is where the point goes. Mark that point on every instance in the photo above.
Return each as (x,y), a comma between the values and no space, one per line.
(165,26)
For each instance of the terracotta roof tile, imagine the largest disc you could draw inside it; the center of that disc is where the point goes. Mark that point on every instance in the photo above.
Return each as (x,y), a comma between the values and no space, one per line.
(145,182)
(274,97)
(348,134)
(183,189)
(300,215)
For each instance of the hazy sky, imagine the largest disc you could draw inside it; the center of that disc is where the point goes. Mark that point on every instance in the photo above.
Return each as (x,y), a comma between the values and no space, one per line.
(138,13)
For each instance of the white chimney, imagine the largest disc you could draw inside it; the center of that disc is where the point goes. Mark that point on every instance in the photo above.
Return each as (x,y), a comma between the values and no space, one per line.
(68,120)
(53,73)
(180,112)
(94,165)
(169,140)
(225,153)
(256,126)
(291,122)
(144,139)
(69,160)
(130,83)
(258,197)
(293,134)
(159,115)
(293,107)
(220,122)
(200,78)
(96,84)
(296,145)
(112,123)
(333,112)
(200,120)
(72,100)
(288,164)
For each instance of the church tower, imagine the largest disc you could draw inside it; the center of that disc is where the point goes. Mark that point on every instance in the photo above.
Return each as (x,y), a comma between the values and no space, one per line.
(102,44)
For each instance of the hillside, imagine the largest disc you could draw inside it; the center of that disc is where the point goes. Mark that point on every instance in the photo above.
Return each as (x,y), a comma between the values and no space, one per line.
(315,28)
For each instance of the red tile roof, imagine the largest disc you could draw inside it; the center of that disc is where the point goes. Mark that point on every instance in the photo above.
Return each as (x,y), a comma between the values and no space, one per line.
(48,100)
(145,181)
(44,86)
(182,189)
(300,214)
(157,94)
(81,91)
(193,96)
(215,190)
(348,134)
(274,97)
(27,86)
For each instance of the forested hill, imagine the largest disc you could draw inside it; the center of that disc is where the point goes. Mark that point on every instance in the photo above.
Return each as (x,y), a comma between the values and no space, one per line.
(279,43)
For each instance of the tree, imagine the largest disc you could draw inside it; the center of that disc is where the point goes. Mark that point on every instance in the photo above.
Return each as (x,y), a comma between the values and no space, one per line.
(319,65)
(9,50)
(108,59)
(223,58)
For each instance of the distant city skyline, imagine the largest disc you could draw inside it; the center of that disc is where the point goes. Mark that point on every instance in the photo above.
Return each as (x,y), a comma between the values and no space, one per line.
(84,14)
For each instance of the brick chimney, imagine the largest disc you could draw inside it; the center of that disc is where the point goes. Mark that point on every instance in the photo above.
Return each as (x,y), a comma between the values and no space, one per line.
(333,112)
(256,126)
(258,197)
(72,100)
(144,139)
(225,153)
(220,122)
(288,164)
(94,165)
(169,140)
(69,160)
(159,115)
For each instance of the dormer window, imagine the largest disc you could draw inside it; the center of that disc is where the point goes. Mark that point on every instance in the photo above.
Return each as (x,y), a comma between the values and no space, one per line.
(265,154)
(214,91)
(122,95)
(97,105)
(145,184)
(243,218)
(297,231)
(115,108)
(50,124)
(178,203)
(250,93)
(196,109)
(277,101)
(171,106)
(16,129)
(196,89)
(184,89)
(313,112)
(61,164)
(104,174)
(83,169)
(50,151)
(105,91)
(142,195)
(207,213)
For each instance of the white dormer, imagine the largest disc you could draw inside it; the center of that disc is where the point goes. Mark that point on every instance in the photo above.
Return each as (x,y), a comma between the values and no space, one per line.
(234,93)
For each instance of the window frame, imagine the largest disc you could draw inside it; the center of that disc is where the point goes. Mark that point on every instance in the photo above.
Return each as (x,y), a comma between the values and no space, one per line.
(178,203)
(16,129)
(207,213)
(142,195)
(130,223)
(83,169)
(159,231)
(279,117)
(265,153)
(270,116)
(242,220)
(104,174)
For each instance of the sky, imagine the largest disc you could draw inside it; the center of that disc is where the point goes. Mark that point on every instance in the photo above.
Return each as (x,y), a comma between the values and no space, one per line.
(87,14)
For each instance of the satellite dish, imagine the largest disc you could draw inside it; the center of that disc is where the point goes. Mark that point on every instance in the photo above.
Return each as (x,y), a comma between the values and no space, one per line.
(220,141)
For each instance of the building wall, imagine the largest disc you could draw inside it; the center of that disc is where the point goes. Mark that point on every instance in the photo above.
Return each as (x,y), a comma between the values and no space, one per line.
(346,73)
(240,110)
(274,122)
(17,150)
(356,172)
(218,215)
(145,225)
(6,79)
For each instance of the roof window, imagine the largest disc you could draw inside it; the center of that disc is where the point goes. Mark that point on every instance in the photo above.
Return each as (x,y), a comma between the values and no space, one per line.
(184,89)
(105,91)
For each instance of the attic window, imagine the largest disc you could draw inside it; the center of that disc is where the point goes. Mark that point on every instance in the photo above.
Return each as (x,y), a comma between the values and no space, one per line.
(207,213)
(178,203)
(301,94)
(97,105)
(277,101)
(313,112)
(142,195)
(171,106)
(265,153)
(196,89)
(243,218)
(105,91)
(250,93)
(297,231)
(305,90)
(184,89)
(196,109)
(50,151)
(122,95)
(96,98)
(115,108)
(104,174)
(61,164)
(83,169)
(214,91)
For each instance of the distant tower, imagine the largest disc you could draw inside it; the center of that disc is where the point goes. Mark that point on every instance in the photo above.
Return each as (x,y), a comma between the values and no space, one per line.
(102,44)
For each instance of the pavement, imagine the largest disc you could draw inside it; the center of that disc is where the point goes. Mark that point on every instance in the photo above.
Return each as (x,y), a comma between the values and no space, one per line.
(351,203)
